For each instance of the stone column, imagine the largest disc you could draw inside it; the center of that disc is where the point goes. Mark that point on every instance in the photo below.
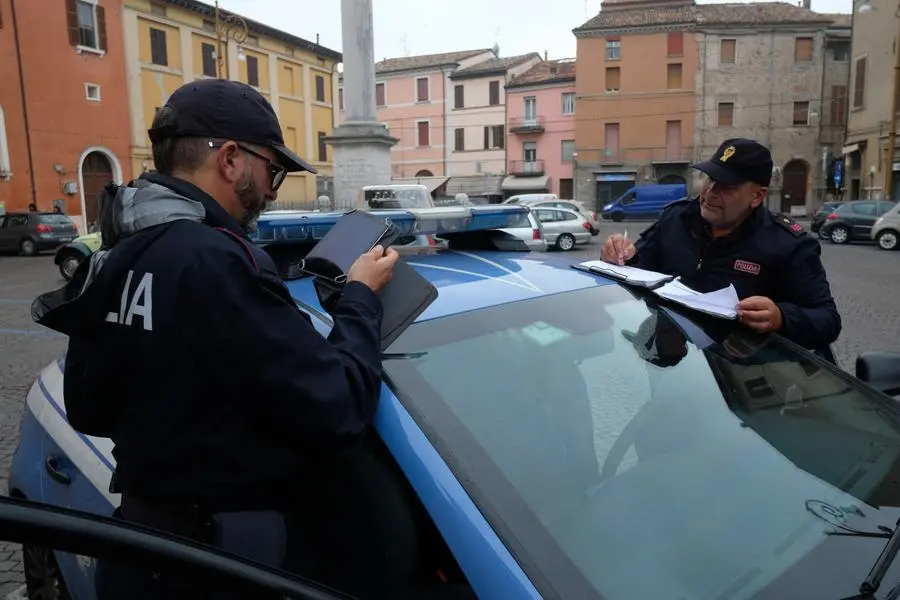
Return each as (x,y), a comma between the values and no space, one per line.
(362,145)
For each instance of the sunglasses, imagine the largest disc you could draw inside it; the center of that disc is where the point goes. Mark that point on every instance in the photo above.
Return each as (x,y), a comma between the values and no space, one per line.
(277,173)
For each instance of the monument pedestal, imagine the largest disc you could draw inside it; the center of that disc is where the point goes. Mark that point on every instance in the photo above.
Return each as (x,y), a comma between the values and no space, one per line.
(362,156)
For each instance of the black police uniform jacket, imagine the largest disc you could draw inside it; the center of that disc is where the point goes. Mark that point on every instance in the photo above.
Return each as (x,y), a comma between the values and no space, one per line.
(188,351)
(768,255)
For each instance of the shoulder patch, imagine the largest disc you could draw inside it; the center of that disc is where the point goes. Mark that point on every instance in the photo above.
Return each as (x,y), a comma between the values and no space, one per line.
(788,223)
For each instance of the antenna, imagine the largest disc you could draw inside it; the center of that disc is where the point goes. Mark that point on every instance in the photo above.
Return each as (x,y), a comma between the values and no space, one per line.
(404,44)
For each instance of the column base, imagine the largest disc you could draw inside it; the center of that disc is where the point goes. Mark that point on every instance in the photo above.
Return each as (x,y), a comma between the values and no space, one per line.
(362,156)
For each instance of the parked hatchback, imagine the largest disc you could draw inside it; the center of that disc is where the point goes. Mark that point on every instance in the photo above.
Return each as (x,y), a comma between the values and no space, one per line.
(886,230)
(28,233)
(853,221)
(820,215)
(563,228)
(575,205)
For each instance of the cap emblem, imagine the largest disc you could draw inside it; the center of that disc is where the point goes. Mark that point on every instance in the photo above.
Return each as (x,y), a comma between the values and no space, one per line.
(728,153)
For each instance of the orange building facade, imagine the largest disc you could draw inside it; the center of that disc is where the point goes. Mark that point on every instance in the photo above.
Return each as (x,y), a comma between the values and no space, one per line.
(64,123)
(635,98)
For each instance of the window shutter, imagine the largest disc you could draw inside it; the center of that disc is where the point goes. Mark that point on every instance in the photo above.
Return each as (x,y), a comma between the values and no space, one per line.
(487,138)
(101,27)
(72,22)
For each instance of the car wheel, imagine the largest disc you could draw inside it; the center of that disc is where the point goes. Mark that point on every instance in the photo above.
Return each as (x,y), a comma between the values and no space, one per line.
(839,234)
(28,247)
(822,234)
(68,266)
(42,578)
(887,239)
(617,216)
(565,241)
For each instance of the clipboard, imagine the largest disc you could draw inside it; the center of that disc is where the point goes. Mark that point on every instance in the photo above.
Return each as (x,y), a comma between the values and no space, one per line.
(628,275)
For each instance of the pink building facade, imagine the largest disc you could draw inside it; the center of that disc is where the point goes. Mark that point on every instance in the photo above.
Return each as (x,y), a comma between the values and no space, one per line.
(541,130)
(413,96)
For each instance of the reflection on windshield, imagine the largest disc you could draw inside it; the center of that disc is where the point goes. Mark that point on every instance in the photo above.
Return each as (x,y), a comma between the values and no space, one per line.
(398,198)
(630,453)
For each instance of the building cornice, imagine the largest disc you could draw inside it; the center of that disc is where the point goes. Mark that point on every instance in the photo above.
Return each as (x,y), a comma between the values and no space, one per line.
(542,85)
(630,30)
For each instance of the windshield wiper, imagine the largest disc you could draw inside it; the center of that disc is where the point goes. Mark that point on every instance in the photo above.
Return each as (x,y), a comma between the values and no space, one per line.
(402,355)
(880,568)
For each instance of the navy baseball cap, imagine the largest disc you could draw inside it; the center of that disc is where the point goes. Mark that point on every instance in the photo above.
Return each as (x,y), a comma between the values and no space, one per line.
(738,160)
(230,110)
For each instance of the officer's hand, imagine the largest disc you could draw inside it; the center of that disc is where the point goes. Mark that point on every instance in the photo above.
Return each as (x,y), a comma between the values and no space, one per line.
(617,249)
(374,268)
(760,314)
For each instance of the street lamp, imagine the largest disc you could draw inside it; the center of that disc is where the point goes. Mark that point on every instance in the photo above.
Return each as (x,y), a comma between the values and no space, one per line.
(866,7)
(228,25)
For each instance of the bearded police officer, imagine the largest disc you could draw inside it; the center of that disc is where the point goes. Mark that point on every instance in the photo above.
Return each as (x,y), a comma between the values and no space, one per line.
(727,236)
(189,352)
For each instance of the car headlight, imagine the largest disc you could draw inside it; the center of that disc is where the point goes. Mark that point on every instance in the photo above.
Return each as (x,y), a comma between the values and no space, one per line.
(607,207)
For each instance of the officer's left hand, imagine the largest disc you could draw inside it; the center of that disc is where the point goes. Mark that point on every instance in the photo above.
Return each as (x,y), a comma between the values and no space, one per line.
(760,314)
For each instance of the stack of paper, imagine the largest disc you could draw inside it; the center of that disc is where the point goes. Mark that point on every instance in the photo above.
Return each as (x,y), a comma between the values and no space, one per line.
(625,274)
(720,303)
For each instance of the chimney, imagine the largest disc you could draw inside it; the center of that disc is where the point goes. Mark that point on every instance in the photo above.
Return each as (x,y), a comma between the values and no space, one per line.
(807,4)
(545,55)
(317,39)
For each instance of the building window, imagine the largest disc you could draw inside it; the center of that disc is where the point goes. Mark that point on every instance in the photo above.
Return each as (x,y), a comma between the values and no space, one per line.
(529,153)
(727,51)
(568,103)
(567,149)
(494,93)
(840,51)
(287,85)
(675,44)
(323,148)
(803,49)
(530,110)
(253,71)
(459,99)
(612,79)
(159,54)
(92,92)
(673,76)
(459,141)
(494,137)
(87,24)
(340,98)
(801,113)
(838,105)
(613,49)
(423,134)
(208,51)
(379,95)
(422,89)
(320,88)
(611,137)
(726,114)
(5,167)
(859,83)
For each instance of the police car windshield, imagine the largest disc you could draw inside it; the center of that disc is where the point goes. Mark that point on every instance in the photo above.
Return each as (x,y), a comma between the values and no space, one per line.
(622,452)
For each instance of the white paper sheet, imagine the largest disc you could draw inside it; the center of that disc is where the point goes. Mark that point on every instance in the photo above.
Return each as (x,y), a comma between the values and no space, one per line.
(626,274)
(720,303)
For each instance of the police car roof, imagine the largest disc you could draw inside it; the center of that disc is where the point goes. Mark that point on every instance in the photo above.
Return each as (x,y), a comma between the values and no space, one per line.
(474,280)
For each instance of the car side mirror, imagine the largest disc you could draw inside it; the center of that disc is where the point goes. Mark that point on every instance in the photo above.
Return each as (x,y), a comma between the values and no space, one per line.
(881,370)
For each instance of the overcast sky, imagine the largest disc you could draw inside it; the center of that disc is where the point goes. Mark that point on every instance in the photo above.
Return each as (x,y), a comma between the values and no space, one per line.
(409,27)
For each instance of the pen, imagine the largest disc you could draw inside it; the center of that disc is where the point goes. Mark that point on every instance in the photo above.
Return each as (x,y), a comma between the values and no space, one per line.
(625,236)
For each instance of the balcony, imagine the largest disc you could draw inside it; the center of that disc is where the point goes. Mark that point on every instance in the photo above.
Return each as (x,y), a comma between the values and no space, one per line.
(526,125)
(526,168)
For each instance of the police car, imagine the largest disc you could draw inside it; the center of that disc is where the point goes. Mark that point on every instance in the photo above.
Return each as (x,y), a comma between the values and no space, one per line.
(545,432)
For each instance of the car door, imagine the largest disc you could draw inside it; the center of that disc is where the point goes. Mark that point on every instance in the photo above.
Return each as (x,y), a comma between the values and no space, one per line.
(4,234)
(551,223)
(12,229)
(862,218)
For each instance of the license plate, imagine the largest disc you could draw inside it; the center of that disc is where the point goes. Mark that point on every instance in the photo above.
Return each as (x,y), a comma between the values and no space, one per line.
(65,240)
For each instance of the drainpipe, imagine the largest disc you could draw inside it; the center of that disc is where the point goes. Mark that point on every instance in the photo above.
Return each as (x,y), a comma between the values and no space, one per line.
(15,25)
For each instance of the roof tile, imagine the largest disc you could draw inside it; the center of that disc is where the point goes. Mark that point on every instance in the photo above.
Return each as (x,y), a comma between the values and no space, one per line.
(546,71)
(425,61)
(493,65)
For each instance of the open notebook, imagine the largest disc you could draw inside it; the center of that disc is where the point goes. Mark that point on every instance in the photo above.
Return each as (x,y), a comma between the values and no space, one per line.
(720,303)
(625,274)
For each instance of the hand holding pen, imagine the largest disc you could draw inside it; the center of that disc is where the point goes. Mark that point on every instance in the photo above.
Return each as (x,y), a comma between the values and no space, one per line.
(617,249)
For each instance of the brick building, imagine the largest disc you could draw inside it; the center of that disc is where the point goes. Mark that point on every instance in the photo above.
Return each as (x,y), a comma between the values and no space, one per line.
(64,128)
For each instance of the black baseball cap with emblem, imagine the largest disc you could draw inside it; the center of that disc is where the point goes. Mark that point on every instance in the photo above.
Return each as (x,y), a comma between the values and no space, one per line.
(739,160)
(229,110)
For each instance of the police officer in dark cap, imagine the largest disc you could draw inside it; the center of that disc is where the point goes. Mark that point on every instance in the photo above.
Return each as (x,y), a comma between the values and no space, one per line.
(188,351)
(728,236)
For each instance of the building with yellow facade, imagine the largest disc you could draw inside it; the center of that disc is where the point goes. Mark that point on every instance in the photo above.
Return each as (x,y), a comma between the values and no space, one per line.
(171,42)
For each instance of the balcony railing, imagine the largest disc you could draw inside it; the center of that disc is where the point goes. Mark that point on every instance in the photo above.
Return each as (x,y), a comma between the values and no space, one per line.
(526,125)
(526,168)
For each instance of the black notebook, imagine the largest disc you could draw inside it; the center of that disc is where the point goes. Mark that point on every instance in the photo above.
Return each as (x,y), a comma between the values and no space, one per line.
(403,299)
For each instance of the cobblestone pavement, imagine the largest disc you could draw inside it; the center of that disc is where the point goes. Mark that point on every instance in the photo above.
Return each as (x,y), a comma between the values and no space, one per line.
(862,279)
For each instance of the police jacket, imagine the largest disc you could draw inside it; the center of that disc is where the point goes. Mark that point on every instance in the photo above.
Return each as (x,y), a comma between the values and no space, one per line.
(767,255)
(188,351)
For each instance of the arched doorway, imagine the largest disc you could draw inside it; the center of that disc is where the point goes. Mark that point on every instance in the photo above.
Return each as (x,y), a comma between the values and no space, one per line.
(672,180)
(793,187)
(96,171)
(424,173)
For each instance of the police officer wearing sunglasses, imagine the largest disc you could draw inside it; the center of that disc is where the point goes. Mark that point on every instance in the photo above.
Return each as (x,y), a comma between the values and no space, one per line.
(187,350)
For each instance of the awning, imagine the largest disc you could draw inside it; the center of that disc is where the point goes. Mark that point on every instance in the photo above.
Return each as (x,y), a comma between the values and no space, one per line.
(474,185)
(849,149)
(432,183)
(513,183)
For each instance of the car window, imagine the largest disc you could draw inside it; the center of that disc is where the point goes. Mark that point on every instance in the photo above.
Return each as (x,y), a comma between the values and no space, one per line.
(627,199)
(53,219)
(546,216)
(621,451)
(16,221)
(884,207)
(567,216)
(520,220)
(863,208)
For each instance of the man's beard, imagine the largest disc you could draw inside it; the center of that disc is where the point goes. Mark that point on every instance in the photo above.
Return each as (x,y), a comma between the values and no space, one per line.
(251,200)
